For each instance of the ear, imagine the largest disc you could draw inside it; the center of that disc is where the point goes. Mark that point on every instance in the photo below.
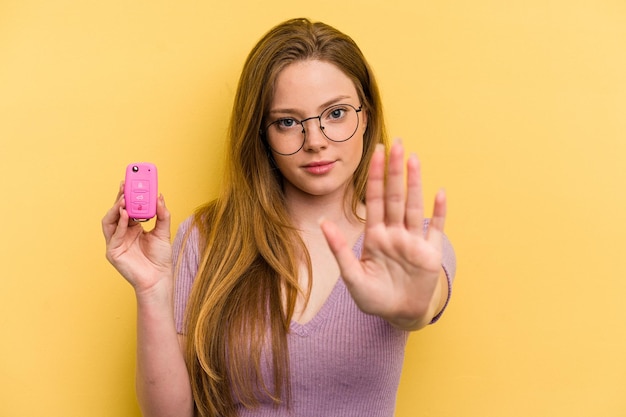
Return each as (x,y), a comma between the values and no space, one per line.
(364,119)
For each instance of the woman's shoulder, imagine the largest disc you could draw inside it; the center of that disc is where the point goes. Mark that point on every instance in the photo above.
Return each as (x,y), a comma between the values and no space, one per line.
(187,230)
(187,242)
(195,225)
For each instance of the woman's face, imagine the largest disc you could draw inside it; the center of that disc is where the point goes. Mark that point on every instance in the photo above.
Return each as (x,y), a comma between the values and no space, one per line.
(321,167)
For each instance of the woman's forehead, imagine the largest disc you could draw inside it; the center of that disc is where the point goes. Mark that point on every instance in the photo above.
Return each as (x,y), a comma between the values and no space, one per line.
(311,85)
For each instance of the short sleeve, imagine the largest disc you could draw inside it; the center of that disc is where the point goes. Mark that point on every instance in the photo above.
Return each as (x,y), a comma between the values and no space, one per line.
(448,263)
(185,254)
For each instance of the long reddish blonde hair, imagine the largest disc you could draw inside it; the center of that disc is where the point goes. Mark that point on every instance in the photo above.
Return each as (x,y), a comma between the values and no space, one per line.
(243,298)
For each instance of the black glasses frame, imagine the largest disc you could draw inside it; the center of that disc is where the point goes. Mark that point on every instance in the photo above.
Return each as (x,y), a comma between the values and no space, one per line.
(263,132)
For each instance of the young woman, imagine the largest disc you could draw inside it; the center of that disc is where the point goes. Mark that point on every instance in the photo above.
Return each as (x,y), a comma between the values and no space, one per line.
(294,291)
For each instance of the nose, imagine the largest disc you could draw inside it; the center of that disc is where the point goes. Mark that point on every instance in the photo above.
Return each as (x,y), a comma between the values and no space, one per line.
(314,138)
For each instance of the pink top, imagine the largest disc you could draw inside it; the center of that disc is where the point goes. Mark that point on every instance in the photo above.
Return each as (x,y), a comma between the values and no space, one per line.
(343,362)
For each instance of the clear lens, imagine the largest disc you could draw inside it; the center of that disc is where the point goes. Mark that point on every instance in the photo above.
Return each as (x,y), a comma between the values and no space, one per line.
(339,122)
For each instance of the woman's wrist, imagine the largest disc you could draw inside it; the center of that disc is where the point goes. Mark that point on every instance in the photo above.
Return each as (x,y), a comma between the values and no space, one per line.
(158,293)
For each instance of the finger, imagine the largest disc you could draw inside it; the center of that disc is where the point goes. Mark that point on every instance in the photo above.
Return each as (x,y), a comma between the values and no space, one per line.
(394,190)
(111,218)
(123,223)
(374,193)
(162,225)
(120,191)
(438,219)
(414,217)
(349,265)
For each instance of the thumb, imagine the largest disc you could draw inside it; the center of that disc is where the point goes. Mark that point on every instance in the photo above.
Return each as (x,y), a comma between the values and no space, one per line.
(162,225)
(349,265)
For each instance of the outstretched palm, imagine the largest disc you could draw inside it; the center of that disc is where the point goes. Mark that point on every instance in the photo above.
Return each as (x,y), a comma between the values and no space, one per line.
(397,276)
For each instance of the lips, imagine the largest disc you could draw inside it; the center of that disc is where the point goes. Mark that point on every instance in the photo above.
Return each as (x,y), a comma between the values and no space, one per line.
(319,167)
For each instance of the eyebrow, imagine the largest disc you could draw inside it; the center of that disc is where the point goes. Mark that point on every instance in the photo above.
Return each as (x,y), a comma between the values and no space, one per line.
(336,100)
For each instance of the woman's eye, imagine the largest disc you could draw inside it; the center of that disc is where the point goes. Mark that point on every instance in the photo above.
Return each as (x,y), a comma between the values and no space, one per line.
(286,123)
(336,113)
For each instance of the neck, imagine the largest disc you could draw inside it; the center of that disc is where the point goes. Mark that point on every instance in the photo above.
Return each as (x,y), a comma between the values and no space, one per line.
(307,210)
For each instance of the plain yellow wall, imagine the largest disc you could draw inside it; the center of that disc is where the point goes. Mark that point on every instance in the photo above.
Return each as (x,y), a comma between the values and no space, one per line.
(517,108)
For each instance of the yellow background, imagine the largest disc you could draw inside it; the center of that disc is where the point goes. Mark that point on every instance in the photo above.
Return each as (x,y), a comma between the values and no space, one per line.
(517,108)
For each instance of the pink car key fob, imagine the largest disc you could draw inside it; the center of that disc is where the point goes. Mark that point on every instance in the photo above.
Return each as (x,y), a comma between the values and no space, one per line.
(140,191)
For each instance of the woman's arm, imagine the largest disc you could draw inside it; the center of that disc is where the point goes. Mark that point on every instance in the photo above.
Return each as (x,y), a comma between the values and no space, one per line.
(145,260)
(162,381)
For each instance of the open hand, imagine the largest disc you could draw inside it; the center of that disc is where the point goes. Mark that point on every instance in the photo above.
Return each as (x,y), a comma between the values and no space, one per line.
(398,274)
(143,258)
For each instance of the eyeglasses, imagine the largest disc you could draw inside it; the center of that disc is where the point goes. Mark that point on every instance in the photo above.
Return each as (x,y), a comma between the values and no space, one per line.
(338,123)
